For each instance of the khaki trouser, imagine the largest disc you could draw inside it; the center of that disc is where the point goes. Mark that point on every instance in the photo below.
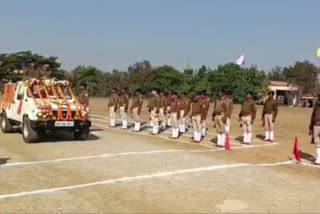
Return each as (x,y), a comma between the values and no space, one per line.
(220,126)
(123,114)
(246,124)
(135,114)
(162,116)
(112,112)
(316,137)
(174,120)
(228,123)
(182,117)
(196,123)
(268,124)
(154,117)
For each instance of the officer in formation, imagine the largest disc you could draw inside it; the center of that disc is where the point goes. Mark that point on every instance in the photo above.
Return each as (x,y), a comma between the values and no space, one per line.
(123,105)
(205,99)
(314,128)
(196,115)
(269,115)
(219,116)
(185,107)
(112,106)
(175,109)
(137,102)
(163,110)
(246,117)
(154,106)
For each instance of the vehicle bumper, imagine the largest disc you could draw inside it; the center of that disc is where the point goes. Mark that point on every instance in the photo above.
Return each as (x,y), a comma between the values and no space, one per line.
(49,125)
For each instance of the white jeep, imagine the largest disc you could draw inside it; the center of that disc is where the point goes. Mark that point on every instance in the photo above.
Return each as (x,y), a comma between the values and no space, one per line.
(43,107)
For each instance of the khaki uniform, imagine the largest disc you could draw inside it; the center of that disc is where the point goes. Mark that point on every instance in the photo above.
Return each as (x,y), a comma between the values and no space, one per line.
(269,114)
(185,107)
(229,113)
(169,98)
(123,108)
(315,128)
(175,106)
(45,74)
(247,115)
(32,73)
(163,111)
(113,103)
(220,111)
(206,105)
(84,98)
(136,111)
(154,106)
(196,113)
(136,107)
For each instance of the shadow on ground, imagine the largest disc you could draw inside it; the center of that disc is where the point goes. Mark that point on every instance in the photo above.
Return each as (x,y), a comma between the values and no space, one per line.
(4,161)
(60,137)
(307,156)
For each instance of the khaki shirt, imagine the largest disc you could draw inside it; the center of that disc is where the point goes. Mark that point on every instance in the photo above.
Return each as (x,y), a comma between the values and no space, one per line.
(113,100)
(230,107)
(45,74)
(137,102)
(84,98)
(220,107)
(32,73)
(205,107)
(154,102)
(248,108)
(175,106)
(270,107)
(185,105)
(124,101)
(197,108)
(163,101)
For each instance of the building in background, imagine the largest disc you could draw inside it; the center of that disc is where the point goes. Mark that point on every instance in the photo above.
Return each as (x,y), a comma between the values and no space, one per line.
(284,92)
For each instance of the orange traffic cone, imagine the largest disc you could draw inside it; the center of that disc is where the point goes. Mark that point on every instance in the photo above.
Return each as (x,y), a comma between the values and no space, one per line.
(296,151)
(227,144)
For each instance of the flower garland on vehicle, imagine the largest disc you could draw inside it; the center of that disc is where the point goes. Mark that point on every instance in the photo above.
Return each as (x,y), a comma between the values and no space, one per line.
(45,108)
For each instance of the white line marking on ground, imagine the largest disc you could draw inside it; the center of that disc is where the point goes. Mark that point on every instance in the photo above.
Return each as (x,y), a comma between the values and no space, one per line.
(106,155)
(128,179)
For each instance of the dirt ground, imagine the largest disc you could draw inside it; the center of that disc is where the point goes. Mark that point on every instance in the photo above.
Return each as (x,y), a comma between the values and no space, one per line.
(118,171)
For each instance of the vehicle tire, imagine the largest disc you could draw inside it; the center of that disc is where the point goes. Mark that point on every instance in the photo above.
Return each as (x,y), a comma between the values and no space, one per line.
(82,134)
(28,133)
(6,126)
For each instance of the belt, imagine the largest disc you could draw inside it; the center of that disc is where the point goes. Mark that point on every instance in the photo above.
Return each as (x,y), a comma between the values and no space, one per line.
(218,114)
(317,123)
(268,112)
(246,114)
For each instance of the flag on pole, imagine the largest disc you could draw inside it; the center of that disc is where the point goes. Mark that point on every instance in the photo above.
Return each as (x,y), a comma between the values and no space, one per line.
(241,60)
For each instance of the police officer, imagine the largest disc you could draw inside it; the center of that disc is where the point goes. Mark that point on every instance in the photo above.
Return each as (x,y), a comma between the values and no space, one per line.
(123,105)
(153,106)
(112,106)
(175,115)
(136,107)
(206,105)
(220,116)
(32,71)
(196,115)
(84,95)
(45,72)
(230,110)
(314,128)
(169,98)
(163,110)
(184,112)
(269,115)
(247,116)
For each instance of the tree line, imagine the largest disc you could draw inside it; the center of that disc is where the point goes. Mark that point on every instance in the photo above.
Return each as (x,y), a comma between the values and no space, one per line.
(142,75)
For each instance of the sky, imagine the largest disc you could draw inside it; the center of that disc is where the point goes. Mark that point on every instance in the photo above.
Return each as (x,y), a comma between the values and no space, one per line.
(112,34)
